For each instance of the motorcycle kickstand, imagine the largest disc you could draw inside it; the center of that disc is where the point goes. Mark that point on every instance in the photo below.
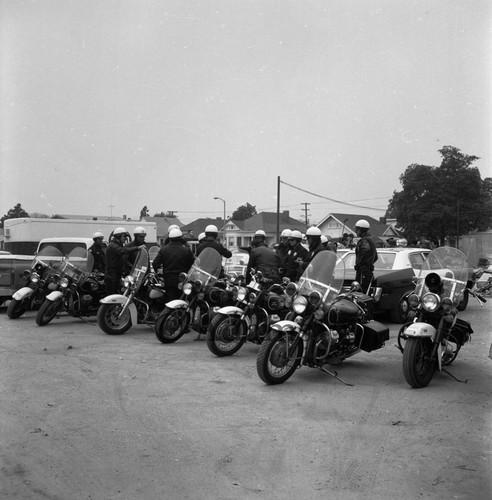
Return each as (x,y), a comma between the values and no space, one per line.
(334,374)
(455,378)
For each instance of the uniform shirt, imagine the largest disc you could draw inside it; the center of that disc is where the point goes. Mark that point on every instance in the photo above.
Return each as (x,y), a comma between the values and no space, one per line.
(365,253)
(264,259)
(292,269)
(174,259)
(209,241)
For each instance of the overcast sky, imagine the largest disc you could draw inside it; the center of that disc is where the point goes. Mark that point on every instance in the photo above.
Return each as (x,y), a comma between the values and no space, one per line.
(110,105)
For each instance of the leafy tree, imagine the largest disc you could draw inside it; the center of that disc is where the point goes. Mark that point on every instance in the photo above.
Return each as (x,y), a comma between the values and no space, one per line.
(144,212)
(14,213)
(244,212)
(448,200)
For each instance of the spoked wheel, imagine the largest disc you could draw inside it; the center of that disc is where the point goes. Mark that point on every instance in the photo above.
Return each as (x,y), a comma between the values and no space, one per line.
(200,318)
(400,313)
(48,311)
(111,322)
(18,307)
(171,325)
(418,367)
(450,350)
(226,335)
(278,357)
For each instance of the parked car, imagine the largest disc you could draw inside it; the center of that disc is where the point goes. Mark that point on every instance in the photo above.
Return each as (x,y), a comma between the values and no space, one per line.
(236,265)
(394,274)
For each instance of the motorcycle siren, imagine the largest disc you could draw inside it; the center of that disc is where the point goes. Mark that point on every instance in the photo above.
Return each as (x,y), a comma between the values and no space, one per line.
(362,224)
(175,233)
(296,235)
(201,236)
(286,233)
(211,229)
(97,234)
(433,283)
(139,231)
(313,231)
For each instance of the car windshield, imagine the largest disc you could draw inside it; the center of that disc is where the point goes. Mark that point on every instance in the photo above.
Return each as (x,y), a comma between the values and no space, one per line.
(385,260)
(207,267)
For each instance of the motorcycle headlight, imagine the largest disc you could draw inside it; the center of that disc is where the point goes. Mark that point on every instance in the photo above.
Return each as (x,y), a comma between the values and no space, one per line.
(182,277)
(252,297)
(198,285)
(187,288)
(34,277)
(241,293)
(300,304)
(64,282)
(315,298)
(447,304)
(413,301)
(430,302)
(128,281)
(291,289)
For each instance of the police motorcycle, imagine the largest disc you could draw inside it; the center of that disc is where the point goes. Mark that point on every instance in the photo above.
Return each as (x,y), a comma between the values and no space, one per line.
(435,335)
(38,283)
(323,326)
(258,304)
(191,310)
(77,290)
(141,300)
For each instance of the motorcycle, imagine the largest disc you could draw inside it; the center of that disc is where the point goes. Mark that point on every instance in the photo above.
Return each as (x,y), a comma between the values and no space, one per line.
(77,292)
(435,335)
(323,327)
(38,278)
(257,305)
(141,301)
(191,310)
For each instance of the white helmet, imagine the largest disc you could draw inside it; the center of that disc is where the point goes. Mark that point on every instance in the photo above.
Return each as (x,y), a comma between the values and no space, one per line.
(260,232)
(286,233)
(324,239)
(211,229)
(201,236)
(313,231)
(139,230)
(97,234)
(296,234)
(172,226)
(363,224)
(119,230)
(175,233)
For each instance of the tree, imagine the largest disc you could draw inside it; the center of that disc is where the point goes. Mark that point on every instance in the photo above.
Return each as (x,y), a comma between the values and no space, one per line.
(244,212)
(144,212)
(448,200)
(14,213)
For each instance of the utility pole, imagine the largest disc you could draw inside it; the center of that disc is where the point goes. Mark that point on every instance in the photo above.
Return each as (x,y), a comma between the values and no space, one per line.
(306,212)
(111,208)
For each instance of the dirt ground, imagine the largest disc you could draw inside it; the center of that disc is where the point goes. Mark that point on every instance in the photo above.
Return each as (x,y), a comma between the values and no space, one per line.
(85,415)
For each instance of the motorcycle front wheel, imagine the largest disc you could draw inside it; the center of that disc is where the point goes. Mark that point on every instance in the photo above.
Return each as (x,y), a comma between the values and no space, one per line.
(274,364)
(48,310)
(171,325)
(226,335)
(110,321)
(418,367)
(18,307)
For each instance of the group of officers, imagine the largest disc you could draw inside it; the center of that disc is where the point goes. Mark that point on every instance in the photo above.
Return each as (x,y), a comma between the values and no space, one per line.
(288,259)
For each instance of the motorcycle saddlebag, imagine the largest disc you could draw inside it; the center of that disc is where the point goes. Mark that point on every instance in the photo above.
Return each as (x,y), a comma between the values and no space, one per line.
(461,331)
(375,335)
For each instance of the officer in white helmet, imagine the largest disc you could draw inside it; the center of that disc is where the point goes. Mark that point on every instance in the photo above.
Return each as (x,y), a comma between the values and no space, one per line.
(98,251)
(365,255)
(295,256)
(283,248)
(139,235)
(262,258)
(210,240)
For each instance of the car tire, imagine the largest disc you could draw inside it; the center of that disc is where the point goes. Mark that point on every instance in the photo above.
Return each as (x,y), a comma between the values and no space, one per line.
(400,313)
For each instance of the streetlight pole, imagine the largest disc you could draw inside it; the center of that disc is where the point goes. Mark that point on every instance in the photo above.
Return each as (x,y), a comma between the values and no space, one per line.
(223,201)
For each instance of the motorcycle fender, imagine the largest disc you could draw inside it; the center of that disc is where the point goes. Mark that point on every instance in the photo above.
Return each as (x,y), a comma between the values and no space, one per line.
(23,293)
(285,326)
(177,304)
(230,311)
(54,296)
(421,330)
(115,298)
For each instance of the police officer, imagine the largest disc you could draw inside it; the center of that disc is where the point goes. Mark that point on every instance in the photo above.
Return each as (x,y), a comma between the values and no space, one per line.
(313,237)
(139,235)
(262,258)
(365,255)
(283,248)
(295,256)
(174,258)
(117,259)
(98,251)
(210,240)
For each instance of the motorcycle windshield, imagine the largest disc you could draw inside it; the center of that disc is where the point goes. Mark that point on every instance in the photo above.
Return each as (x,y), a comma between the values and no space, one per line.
(451,265)
(68,270)
(140,267)
(49,256)
(207,267)
(324,274)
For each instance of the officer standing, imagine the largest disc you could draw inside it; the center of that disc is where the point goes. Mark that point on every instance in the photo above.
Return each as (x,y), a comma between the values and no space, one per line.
(365,255)
(295,256)
(210,240)
(98,251)
(262,258)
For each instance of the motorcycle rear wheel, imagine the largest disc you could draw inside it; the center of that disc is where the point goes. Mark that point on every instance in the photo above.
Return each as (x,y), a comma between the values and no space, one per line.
(48,310)
(273,364)
(109,322)
(18,307)
(226,335)
(418,367)
(171,325)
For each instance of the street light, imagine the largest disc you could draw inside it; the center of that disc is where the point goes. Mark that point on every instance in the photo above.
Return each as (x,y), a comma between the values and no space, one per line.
(223,201)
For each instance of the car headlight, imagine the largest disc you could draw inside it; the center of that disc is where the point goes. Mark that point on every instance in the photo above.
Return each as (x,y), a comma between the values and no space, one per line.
(430,302)
(300,304)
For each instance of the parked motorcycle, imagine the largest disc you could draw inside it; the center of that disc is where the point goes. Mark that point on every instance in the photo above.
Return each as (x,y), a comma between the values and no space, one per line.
(257,305)
(37,277)
(191,310)
(323,328)
(141,301)
(77,292)
(435,336)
